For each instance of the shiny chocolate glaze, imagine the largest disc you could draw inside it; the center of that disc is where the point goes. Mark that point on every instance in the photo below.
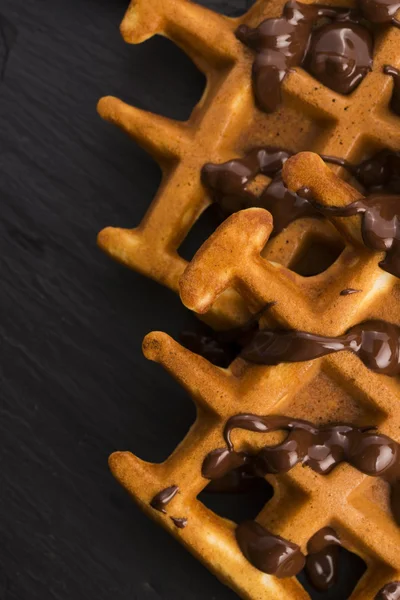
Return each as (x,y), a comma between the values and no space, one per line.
(323,559)
(320,448)
(338,53)
(380,224)
(179,522)
(268,552)
(163,498)
(239,480)
(222,347)
(395,73)
(391,591)
(218,463)
(379,11)
(228,182)
(380,173)
(349,291)
(207,345)
(376,343)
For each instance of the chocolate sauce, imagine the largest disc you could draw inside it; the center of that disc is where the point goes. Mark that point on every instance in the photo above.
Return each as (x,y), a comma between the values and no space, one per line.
(320,448)
(229,179)
(237,481)
(376,343)
(218,463)
(380,224)
(163,498)
(268,552)
(391,591)
(380,173)
(242,334)
(222,347)
(395,73)
(335,160)
(228,182)
(280,44)
(208,346)
(339,54)
(323,559)
(349,291)
(180,522)
(379,11)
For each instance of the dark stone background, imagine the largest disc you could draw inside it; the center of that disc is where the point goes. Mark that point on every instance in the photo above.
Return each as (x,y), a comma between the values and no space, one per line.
(74,384)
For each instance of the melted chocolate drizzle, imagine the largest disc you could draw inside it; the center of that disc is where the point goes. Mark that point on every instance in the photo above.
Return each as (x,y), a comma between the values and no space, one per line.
(395,73)
(228,183)
(163,498)
(222,347)
(320,448)
(349,291)
(236,481)
(339,54)
(380,224)
(323,559)
(376,343)
(379,11)
(391,591)
(380,173)
(268,552)
(210,347)
(180,522)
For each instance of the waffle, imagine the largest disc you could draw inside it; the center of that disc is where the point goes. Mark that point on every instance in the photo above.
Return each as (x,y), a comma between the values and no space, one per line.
(334,388)
(226,123)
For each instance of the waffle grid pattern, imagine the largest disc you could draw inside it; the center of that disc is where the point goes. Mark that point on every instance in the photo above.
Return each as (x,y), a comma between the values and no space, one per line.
(226,123)
(303,501)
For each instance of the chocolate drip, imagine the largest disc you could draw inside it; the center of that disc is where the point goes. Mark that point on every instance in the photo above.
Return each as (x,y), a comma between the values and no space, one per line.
(280,44)
(395,73)
(391,591)
(376,343)
(284,205)
(323,558)
(242,334)
(230,178)
(222,461)
(380,173)
(180,522)
(320,448)
(228,185)
(338,54)
(349,291)
(222,347)
(239,480)
(268,552)
(228,181)
(380,224)
(207,345)
(335,160)
(379,11)
(163,498)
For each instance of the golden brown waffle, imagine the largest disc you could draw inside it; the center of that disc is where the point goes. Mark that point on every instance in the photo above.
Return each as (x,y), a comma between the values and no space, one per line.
(226,123)
(334,388)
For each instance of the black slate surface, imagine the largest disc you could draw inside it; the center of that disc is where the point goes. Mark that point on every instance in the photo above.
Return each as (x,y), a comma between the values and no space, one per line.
(74,384)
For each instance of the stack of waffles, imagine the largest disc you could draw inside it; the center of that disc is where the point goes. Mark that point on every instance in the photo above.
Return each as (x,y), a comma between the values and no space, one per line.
(296,141)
